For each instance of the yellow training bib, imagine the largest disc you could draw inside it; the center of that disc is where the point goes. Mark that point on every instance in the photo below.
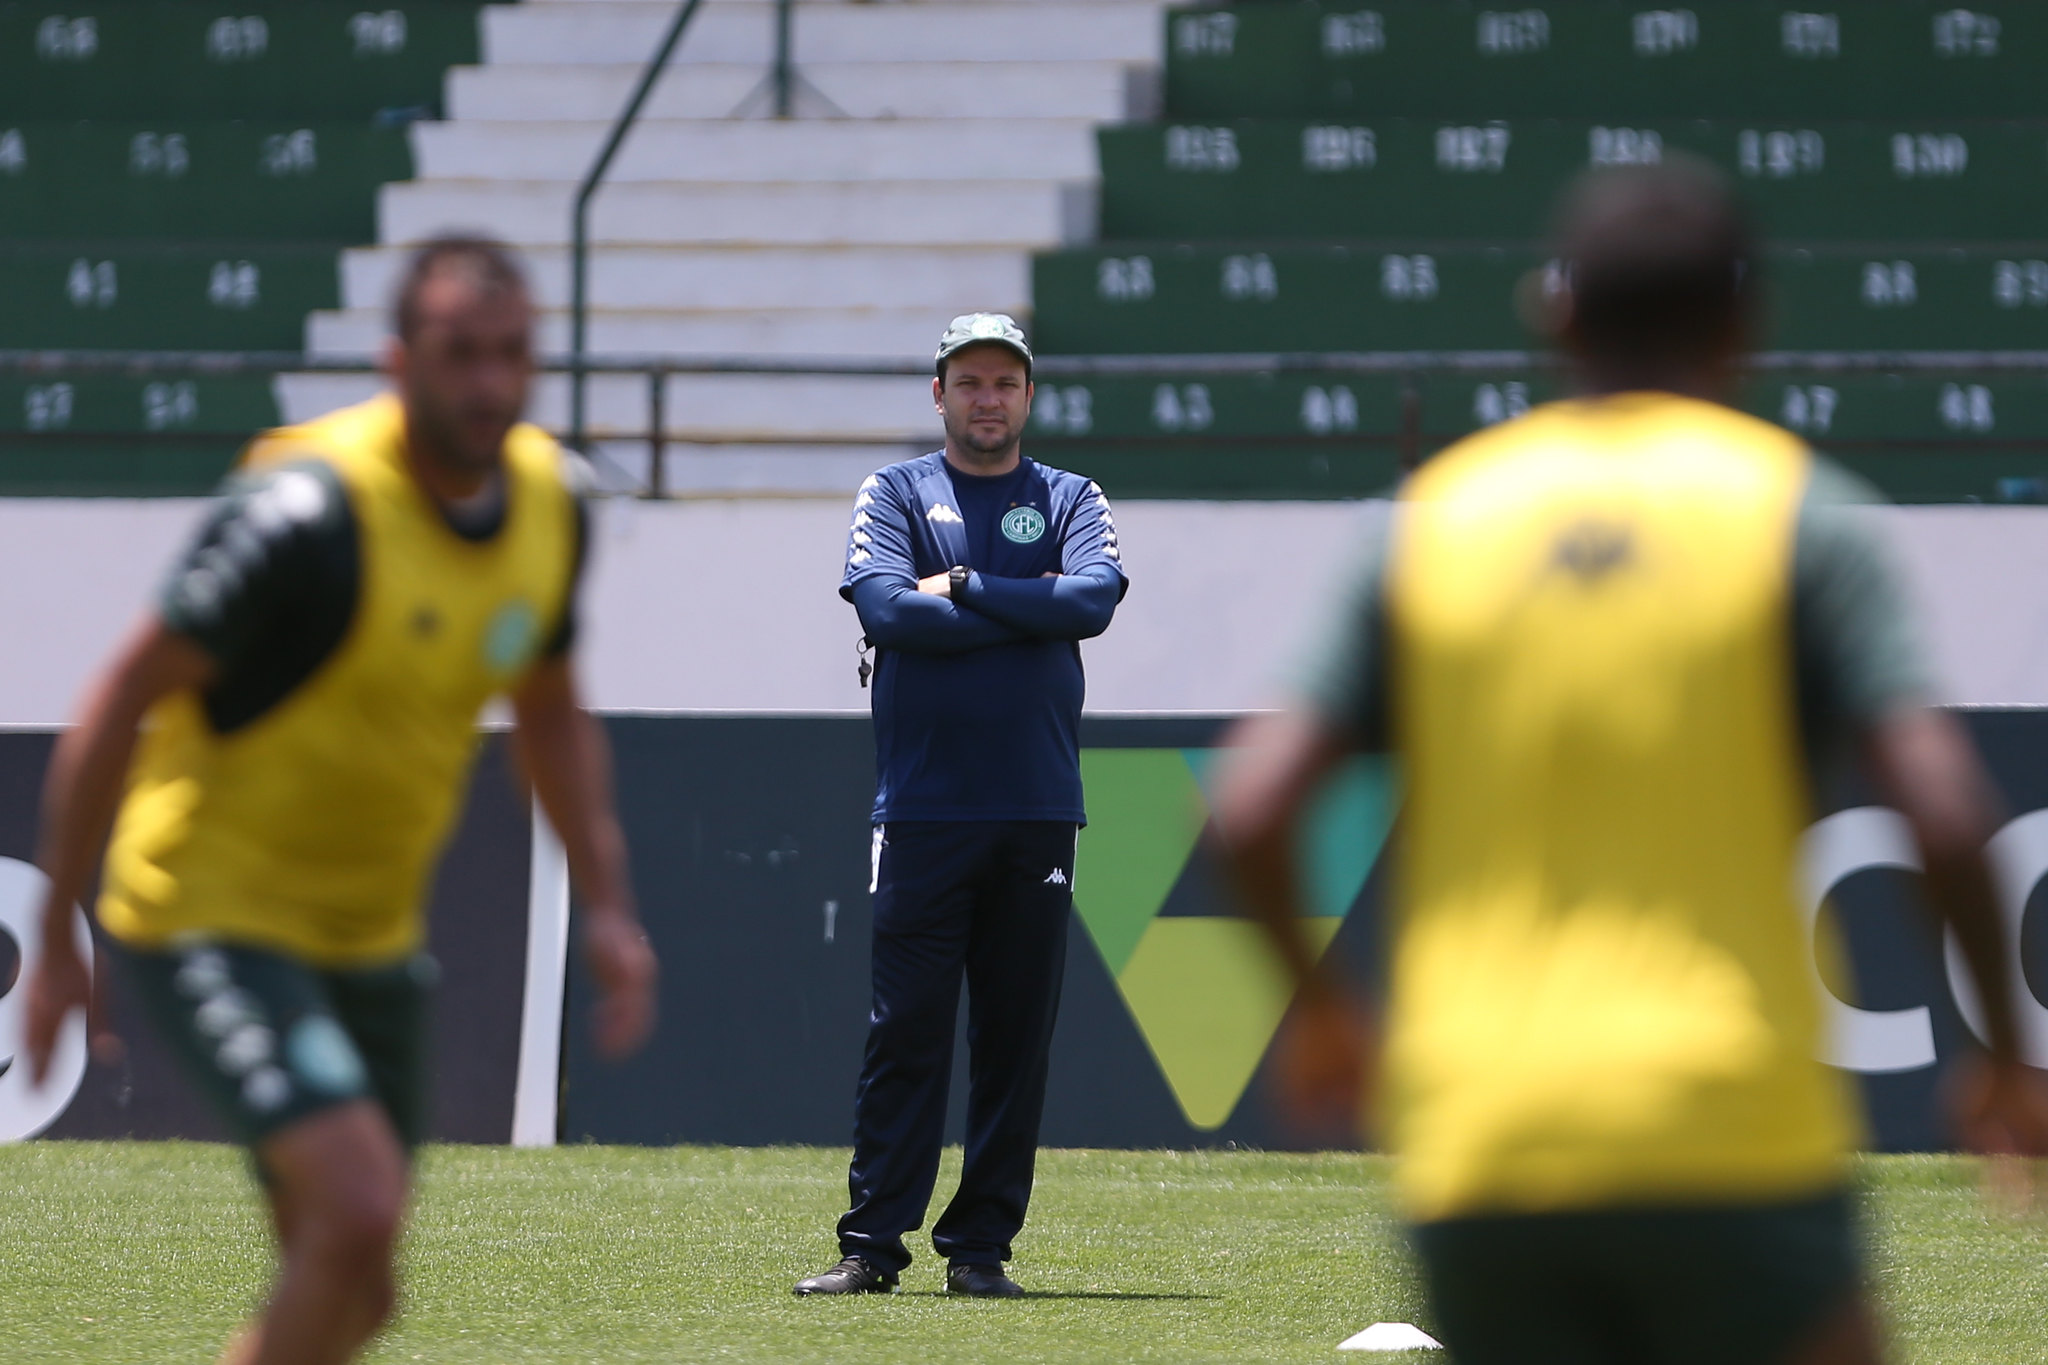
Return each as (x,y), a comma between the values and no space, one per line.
(1600,992)
(314,827)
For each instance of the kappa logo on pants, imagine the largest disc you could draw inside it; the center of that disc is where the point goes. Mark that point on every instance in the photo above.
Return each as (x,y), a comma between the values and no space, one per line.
(1056,878)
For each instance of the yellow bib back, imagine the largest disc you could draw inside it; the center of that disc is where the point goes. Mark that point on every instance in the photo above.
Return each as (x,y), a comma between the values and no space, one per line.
(314,828)
(1600,991)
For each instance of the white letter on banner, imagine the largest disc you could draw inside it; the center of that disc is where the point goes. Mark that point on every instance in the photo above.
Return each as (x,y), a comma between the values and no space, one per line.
(1859,1039)
(25,1108)
(2019,859)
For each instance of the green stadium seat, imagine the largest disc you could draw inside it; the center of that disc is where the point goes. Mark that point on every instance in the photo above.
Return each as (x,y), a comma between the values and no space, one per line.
(1920,437)
(1188,298)
(171,180)
(1427,178)
(152,297)
(1596,59)
(90,406)
(1181,299)
(125,436)
(287,59)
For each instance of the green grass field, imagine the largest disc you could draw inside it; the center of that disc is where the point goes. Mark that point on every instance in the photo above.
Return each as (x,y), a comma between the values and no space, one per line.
(148,1252)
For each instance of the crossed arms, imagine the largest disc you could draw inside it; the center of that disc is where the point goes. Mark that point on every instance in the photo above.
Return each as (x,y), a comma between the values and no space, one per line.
(921,617)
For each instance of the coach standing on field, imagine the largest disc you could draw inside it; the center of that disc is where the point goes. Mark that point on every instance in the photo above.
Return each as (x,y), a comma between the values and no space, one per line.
(976,573)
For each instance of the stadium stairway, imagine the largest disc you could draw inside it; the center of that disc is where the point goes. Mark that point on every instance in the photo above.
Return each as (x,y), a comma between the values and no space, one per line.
(939,144)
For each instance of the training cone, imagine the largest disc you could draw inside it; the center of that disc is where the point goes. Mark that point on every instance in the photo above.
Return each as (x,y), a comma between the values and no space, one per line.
(1391,1336)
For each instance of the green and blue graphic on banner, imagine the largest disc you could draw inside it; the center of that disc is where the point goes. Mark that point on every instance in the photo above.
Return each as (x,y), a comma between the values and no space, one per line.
(1203,989)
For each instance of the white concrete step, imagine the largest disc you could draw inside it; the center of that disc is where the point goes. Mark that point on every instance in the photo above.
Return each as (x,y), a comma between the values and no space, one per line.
(1024,215)
(758,409)
(1105,92)
(765,151)
(892,334)
(601,33)
(941,281)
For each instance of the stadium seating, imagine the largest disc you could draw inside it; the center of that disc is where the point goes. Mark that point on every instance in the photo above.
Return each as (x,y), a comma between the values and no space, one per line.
(199,181)
(178,179)
(1291,297)
(1328,175)
(152,296)
(1376,175)
(133,436)
(1600,60)
(1410,177)
(304,59)
(1921,436)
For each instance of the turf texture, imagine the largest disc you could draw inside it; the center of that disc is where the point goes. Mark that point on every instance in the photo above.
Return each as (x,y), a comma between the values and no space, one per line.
(150,1252)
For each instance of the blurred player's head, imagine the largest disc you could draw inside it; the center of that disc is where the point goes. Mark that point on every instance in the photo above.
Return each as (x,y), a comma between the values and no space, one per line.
(983,387)
(1658,284)
(461,353)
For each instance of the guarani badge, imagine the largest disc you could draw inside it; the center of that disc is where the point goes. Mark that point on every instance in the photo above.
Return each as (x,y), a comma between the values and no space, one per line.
(1023,525)
(510,638)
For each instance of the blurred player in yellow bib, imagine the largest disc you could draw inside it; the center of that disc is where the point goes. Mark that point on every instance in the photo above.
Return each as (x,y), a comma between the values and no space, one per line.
(1609,642)
(294,724)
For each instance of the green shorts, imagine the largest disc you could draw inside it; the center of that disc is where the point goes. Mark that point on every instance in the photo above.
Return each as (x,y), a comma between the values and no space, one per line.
(1678,1286)
(271,1040)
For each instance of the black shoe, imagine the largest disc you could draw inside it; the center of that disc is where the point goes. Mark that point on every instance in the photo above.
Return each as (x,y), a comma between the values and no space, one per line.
(981,1282)
(854,1275)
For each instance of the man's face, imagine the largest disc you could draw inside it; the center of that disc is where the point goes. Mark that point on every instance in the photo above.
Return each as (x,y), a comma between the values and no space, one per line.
(466,370)
(985,400)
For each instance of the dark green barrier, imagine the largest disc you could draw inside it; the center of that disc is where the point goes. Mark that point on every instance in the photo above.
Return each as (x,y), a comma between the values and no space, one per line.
(1185,298)
(1388,178)
(193,180)
(1920,438)
(175,298)
(302,59)
(1598,60)
(750,843)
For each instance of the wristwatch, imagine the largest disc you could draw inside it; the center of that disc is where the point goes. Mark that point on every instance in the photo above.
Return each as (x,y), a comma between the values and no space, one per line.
(956,581)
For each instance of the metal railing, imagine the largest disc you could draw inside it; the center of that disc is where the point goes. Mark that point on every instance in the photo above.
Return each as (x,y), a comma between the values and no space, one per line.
(1411,368)
(780,86)
(579,215)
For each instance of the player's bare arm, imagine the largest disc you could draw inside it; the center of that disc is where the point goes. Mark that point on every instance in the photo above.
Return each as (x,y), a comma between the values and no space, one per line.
(1928,771)
(1273,766)
(569,764)
(80,795)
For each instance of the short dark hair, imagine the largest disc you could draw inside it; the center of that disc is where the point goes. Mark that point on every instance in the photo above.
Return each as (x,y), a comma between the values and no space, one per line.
(1659,260)
(488,262)
(947,360)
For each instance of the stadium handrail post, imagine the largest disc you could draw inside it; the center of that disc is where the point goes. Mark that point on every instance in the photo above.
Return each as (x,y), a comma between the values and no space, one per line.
(579,227)
(1408,447)
(785,67)
(657,433)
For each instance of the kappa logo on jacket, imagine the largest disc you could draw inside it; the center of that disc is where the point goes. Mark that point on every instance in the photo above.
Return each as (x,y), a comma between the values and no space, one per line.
(941,512)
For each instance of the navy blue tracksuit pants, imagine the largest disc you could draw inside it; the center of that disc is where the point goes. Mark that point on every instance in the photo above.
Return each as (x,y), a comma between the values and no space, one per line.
(987,901)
